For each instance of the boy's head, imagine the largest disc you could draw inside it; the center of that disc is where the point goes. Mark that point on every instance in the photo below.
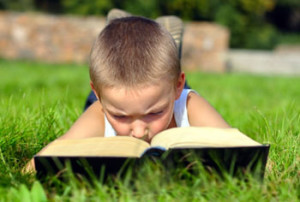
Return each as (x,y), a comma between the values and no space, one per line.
(133,51)
(135,72)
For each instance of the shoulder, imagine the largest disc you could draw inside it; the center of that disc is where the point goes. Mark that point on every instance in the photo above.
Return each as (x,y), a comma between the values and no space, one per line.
(202,113)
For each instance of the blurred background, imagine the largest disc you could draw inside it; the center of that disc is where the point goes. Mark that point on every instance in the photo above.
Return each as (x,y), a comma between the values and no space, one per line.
(261,36)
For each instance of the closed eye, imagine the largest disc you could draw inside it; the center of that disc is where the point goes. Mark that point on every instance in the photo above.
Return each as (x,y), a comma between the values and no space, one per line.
(119,116)
(156,113)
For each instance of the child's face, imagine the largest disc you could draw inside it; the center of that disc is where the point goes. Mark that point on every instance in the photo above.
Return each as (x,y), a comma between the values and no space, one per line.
(141,113)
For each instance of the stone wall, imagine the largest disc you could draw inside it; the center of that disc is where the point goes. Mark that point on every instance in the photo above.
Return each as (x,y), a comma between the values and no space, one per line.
(280,61)
(47,38)
(61,39)
(205,46)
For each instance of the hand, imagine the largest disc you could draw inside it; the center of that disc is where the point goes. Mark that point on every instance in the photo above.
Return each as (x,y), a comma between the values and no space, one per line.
(29,167)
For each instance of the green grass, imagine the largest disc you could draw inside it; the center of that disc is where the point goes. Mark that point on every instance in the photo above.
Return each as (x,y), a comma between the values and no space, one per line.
(39,102)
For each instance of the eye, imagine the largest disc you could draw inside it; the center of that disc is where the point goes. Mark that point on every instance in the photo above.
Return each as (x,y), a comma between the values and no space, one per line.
(119,116)
(156,113)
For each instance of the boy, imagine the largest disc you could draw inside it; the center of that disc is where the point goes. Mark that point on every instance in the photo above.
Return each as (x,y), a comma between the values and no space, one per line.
(136,75)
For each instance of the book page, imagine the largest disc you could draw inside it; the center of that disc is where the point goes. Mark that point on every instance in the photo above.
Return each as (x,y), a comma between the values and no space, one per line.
(119,146)
(202,137)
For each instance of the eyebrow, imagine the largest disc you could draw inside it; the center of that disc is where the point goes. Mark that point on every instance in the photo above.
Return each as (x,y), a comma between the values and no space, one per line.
(116,112)
(119,112)
(157,108)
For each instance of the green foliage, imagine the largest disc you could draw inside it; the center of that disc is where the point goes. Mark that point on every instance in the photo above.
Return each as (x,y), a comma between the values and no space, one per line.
(245,20)
(288,39)
(192,10)
(101,7)
(39,102)
(264,37)
(141,7)
(289,3)
(90,7)
(17,5)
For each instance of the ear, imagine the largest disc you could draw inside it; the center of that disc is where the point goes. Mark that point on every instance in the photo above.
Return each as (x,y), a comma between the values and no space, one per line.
(94,90)
(180,84)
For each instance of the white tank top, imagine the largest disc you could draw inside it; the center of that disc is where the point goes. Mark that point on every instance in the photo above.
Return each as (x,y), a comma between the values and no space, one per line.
(180,114)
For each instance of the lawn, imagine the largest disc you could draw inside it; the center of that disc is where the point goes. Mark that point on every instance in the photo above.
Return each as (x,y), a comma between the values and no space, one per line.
(39,102)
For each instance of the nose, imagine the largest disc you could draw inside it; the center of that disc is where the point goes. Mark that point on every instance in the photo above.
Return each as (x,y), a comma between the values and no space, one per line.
(139,129)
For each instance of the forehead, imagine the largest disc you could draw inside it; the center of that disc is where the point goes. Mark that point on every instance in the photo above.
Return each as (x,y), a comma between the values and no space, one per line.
(136,100)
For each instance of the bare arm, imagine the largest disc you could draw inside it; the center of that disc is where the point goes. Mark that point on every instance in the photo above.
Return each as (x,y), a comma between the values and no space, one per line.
(201,113)
(89,124)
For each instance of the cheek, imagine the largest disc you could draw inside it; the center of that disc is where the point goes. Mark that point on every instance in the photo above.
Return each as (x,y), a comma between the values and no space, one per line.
(161,124)
(120,127)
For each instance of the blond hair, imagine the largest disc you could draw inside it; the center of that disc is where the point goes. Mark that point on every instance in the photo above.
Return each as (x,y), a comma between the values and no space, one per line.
(133,51)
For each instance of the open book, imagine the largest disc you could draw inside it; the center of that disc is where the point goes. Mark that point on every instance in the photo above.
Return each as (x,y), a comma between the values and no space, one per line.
(174,143)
